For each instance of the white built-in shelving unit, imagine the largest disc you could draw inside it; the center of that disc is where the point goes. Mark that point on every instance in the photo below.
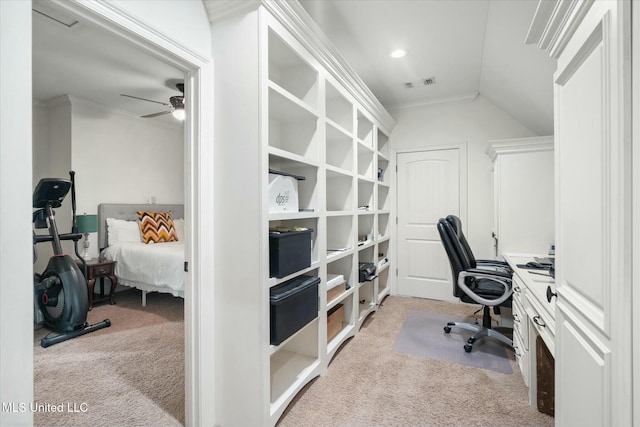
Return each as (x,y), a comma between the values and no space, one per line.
(284,107)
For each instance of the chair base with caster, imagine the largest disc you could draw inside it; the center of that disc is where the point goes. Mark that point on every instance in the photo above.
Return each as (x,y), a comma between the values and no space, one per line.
(479,331)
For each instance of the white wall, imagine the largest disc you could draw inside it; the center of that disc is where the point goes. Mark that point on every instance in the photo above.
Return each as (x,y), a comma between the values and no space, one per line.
(117,159)
(185,22)
(123,159)
(16,288)
(40,137)
(475,123)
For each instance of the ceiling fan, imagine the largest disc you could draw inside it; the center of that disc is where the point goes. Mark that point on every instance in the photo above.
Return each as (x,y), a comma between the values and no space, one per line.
(176,104)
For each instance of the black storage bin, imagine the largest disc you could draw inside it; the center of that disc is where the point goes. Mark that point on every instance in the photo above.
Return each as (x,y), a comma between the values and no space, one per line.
(293,305)
(289,252)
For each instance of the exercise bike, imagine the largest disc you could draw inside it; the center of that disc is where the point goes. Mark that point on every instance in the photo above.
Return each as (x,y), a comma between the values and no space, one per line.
(61,290)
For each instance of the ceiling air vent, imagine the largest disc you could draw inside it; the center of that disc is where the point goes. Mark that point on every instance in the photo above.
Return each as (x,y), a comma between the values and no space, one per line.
(429,81)
(55,15)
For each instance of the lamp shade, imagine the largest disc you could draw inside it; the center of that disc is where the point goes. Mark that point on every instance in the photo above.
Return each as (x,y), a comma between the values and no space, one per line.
(87,223)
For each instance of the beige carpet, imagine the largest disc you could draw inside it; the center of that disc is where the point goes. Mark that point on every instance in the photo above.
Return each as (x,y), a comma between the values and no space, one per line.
(367,384)
(130,374)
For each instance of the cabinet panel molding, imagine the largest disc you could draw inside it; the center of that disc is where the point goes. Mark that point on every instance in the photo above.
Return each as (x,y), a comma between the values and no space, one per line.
(578,353)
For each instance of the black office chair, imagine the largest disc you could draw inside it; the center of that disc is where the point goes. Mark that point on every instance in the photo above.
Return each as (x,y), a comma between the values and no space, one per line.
(473,262)
(490,288)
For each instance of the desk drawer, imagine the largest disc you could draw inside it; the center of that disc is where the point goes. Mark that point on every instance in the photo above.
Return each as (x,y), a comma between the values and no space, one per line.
(542,323)
(518,289)
(522,356)
(520,322)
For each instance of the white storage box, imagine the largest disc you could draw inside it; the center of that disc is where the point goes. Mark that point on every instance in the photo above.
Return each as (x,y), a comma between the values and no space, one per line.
(336,286)
(334,280)
(283,192)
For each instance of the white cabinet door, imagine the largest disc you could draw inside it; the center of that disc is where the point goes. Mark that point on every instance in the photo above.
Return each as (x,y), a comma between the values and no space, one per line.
(593,319)
(428,189)
(523,189)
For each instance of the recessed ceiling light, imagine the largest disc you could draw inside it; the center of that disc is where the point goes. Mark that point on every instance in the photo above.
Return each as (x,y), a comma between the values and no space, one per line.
(398,53)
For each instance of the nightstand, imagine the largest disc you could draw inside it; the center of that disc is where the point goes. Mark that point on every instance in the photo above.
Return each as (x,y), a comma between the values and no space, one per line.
(99,270)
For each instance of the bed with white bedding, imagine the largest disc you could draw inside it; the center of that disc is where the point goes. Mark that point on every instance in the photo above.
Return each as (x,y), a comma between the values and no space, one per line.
(150,267)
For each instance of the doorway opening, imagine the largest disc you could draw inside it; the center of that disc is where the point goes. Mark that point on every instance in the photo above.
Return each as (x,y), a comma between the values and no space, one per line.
(167,59)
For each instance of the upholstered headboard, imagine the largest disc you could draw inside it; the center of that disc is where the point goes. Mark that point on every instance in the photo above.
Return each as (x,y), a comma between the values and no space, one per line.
(128,212)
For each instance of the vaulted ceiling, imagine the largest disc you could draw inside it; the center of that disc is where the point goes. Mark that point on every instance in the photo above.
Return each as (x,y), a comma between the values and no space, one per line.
(468,47)
(73,58)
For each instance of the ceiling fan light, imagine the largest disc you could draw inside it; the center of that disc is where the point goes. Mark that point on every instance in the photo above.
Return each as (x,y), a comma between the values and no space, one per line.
(178,114)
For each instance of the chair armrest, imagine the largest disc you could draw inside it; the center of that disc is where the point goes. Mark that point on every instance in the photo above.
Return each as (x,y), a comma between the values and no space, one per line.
(498,277)
(492,262)
(501,274)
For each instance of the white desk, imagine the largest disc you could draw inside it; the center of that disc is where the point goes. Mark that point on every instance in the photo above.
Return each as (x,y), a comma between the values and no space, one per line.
(533,316)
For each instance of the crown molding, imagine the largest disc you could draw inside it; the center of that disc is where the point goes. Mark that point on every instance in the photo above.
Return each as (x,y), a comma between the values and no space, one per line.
(57,101)
(109,16)
(221,9)
(303,28)
(519,145)
(555,22)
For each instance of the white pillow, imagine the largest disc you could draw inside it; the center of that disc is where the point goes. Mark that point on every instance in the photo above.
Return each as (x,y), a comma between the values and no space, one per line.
(121,231)
(179,226)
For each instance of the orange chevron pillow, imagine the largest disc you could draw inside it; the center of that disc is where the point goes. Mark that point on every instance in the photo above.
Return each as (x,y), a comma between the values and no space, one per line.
(157,227)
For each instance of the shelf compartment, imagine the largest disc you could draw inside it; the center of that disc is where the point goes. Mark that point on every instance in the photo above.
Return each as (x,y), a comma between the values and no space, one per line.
(283,216)
(366,255)
(293,362)
(365,161)
(383,249)
(383,165)
(340,299)
(384,201)
(339,148)
(338,109)
(343,266)
(339,234)
(365,130)
(383,144)
(291,72)
(307,188)
(348,327)
(365,195)
(383,225)
(347,322)
(365,228)
(339,192)
(335,321)
(311,271)
(366,301)
(383,283)
(292,127)
(335,171)
(311,223)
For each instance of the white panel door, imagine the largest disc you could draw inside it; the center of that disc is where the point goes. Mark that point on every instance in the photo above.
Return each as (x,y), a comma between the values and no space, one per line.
(593,318)
(428,189)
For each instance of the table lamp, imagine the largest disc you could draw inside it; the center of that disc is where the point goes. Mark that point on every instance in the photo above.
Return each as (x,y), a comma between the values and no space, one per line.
(87,224)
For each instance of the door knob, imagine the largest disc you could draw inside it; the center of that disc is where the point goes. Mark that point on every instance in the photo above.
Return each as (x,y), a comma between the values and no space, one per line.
(550,294)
